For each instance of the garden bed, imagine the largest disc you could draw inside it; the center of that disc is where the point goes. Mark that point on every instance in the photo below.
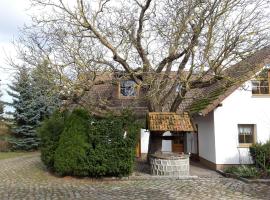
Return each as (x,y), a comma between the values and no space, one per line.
(247,178)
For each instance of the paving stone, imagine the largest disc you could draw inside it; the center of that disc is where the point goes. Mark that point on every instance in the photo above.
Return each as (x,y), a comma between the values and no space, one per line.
(26,178)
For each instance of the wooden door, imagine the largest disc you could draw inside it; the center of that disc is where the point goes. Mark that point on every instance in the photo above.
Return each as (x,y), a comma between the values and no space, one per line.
(178,143)
(138,150)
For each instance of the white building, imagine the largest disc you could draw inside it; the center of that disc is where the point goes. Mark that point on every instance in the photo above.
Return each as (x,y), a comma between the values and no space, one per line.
(227,127)
(226,133)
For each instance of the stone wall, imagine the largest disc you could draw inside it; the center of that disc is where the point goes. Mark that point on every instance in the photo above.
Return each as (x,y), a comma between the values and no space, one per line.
(170,167)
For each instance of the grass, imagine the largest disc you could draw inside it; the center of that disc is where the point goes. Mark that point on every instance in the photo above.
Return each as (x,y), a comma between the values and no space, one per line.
(6,155)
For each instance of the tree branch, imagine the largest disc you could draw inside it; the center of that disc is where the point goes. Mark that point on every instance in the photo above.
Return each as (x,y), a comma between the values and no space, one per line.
(102,39)
(141,51)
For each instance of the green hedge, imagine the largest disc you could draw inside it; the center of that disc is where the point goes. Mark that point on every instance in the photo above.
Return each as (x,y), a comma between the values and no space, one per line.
(70,156)
(110,153)
(49,134)
(81,145)
(260,154)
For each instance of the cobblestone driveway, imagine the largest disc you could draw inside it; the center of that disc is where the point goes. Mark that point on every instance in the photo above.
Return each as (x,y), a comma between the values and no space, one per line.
(26,178)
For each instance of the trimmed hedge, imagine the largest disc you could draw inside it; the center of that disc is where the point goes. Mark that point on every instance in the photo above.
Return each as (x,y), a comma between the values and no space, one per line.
(260,154)
(110,153)
(85,146)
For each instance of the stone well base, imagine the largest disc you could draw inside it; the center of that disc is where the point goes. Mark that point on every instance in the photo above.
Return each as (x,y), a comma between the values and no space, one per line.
(175,166)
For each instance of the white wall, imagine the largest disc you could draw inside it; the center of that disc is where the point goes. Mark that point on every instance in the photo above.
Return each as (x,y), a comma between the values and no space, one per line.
(166,144)
(144,140)
(206,136)
(240,108)
(191,143)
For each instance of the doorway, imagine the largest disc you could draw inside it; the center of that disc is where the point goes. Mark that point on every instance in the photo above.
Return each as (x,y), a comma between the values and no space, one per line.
(178,143)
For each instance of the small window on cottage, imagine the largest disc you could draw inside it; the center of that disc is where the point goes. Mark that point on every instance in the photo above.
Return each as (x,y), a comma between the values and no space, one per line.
(178,88)
(260,87)
(261,84)
(246,135)
(128,88)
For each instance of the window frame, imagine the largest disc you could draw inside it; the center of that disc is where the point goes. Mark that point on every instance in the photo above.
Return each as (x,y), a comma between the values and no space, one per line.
(262,82)
(254,136)
(137,89)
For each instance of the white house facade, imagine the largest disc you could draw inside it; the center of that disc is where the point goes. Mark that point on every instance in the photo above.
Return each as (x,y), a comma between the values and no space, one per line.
(224,134)
(221,133)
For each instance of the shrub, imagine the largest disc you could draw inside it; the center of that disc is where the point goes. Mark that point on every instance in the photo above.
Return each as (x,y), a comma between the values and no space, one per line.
(243,171)
(49,133)
(70,155)
(260,154)
(111,153)
(85,146)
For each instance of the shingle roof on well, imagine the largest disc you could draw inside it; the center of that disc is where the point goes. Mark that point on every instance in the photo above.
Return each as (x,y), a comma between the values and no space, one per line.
(169,121)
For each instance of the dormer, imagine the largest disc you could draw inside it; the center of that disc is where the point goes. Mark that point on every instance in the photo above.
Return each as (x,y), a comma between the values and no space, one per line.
(128,89)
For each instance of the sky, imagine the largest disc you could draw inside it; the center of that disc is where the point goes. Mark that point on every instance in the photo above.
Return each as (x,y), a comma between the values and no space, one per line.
(13,15)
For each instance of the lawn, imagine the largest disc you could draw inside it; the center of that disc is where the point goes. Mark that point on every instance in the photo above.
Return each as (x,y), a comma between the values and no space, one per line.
(5,155)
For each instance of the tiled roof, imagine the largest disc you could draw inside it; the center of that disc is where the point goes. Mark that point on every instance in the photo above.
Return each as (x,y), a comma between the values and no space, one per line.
(198,100)
(169,121)
(204,100)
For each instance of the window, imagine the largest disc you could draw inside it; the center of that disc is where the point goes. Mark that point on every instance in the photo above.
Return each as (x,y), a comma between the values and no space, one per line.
(128,88)
(260,87)
(178,87)
(246,134)
(261,84)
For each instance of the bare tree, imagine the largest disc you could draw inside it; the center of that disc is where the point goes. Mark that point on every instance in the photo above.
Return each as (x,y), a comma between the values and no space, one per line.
(1,103)
(168,47)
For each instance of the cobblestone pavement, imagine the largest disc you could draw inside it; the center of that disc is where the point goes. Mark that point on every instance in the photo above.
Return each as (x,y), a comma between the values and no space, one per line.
(26,178)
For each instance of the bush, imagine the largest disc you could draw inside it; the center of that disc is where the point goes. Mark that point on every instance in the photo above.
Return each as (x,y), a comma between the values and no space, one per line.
(111,153)
(49,134)
(84,146)
(260,154)
(243,171)
(70,156)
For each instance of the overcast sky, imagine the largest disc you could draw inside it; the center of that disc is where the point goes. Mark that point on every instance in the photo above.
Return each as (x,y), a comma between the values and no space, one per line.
(13,14)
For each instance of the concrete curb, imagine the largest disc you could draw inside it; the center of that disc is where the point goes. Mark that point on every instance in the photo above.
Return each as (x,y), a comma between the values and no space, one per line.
(140,178)
(162,177)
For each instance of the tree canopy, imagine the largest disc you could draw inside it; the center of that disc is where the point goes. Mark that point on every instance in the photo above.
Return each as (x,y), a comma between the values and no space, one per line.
(1,104)
(160,44)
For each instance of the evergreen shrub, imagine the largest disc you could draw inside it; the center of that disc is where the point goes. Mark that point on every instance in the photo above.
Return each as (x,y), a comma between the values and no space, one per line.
(49,134)
(70,155)
(88,146)
(112,146)
(260,154)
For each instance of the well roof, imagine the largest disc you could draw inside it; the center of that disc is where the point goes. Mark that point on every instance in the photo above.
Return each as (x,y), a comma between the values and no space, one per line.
(169,121)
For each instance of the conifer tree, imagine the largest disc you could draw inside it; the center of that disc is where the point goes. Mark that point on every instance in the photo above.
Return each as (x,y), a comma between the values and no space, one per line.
(34,99)
(45,91)
(24,114)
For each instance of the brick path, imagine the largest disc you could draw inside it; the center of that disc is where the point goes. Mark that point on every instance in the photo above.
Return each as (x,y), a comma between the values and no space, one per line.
(26,178)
